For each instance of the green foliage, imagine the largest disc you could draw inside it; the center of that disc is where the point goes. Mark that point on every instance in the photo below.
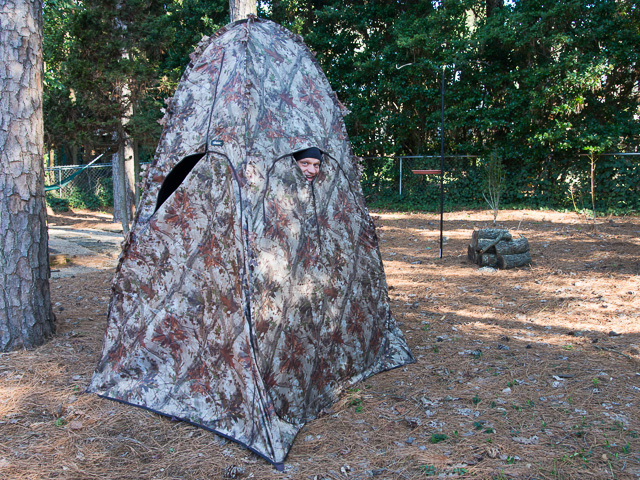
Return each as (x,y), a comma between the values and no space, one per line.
(493,183)
(98,198)
(438,437)
(536,83)
(541,84)
(57,204)
(104,59)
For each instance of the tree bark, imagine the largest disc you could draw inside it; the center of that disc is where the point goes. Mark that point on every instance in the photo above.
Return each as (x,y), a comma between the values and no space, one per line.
(124,189)
(26,317)
(491,233)
(472,254)
(240,9)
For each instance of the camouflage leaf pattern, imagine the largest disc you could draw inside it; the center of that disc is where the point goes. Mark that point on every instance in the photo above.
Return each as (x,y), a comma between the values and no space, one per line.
(250,298)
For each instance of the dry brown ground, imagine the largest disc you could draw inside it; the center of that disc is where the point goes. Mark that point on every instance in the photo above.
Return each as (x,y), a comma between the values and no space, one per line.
(528,373)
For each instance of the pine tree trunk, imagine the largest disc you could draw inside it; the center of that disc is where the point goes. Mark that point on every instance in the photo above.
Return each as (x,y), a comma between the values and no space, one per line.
(26,317)
(240,9)
(136,171)
(124,189)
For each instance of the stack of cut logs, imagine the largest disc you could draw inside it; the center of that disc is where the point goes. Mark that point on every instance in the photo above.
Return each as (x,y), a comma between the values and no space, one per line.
(494,247)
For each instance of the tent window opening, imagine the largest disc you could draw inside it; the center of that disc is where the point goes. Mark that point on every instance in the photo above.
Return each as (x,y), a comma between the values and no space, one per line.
(176,176)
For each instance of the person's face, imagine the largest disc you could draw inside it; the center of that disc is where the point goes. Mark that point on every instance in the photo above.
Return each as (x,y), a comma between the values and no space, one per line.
(310,167)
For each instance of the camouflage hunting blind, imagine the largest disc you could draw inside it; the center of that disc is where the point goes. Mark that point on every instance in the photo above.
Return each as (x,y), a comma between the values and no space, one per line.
(247,298)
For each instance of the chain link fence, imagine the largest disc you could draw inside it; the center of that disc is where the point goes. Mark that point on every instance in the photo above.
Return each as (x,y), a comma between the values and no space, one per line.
(416,181)
(80,186)
(389,182)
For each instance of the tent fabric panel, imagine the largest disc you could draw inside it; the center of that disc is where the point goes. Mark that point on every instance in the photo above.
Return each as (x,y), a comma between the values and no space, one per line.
(178,341)
(319,301)
(187,120)
(283,246)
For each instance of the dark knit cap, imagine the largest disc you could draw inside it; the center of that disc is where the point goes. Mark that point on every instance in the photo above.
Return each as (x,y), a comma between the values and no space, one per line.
(312,152)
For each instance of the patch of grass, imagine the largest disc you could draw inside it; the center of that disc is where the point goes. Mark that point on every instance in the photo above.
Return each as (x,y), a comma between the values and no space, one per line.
(355,401)
(438,437)
(429,470)
(583,455)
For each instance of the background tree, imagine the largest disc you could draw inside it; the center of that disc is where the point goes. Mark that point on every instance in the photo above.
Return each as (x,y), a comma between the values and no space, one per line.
(26,317)
(537,82)
(239,9)
(110,66)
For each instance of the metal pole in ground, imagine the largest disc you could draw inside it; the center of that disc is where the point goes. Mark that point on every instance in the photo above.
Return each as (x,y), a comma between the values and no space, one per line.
(442,163)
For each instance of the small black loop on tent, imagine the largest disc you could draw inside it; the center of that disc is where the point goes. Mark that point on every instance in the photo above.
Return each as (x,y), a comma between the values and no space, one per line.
(176,176)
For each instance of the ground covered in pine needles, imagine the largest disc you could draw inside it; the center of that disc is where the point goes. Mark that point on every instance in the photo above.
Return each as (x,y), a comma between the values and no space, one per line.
(520,374)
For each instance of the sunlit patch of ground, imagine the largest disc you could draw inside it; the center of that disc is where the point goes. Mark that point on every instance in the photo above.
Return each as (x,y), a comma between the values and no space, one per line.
(527,373)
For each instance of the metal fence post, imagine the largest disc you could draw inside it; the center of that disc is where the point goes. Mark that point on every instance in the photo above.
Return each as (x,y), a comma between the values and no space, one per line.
(400,176)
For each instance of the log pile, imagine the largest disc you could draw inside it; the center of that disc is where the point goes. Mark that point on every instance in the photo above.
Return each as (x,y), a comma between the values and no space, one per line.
(494,247)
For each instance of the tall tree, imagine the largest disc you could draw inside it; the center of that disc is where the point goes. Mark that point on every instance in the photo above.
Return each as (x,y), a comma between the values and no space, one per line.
(26,317)
(110,65)
(240,9)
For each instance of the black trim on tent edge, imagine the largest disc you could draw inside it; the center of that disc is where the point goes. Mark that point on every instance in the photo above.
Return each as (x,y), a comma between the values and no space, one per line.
(278,465)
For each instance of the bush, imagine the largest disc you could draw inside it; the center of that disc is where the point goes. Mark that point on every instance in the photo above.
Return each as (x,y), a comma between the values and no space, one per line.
(74,196)
(56,203)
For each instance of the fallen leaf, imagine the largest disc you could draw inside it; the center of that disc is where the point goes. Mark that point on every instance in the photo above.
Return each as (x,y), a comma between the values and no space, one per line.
(526,441)
(75,425)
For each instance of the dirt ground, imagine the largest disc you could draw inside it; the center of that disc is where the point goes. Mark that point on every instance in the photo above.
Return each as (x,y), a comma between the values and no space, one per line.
(520,374)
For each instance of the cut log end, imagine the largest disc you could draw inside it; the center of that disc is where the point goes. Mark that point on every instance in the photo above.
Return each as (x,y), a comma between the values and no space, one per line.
(487,260)
(506,262)
(471,254)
